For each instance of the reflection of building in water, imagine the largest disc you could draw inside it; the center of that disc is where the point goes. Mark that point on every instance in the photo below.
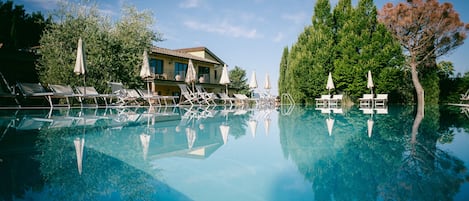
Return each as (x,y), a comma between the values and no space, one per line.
(191,140)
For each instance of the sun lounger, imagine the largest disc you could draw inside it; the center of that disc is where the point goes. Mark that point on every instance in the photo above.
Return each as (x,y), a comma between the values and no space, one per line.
(187,96)
(204,95)
(225,98)
(63,92)
(6,91)
(366,100)
(336,100)
(34,90)
(381,100)
(323,101)
(92,93)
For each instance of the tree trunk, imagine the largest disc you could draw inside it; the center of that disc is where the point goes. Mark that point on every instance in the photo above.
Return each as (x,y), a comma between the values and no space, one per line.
(418,89)
(420,102)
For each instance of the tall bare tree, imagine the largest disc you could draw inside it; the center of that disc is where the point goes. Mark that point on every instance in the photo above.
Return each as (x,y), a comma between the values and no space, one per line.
(426,30)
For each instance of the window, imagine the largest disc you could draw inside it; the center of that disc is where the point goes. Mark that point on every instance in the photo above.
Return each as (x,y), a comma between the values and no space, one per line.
(156,66)
(205,73)
(180,69)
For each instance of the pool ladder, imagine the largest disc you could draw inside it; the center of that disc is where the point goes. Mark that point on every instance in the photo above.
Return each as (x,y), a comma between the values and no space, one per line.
(286,99)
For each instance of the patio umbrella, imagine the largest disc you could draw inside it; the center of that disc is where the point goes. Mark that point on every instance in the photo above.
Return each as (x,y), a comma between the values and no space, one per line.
(330,83)
(253,82)
(224,129)
(145,72)
(370,84)
(190,75)
(191,136)
(225,78)
(80,67)
(330,124)
(253,127)
(79,145)
(267,85)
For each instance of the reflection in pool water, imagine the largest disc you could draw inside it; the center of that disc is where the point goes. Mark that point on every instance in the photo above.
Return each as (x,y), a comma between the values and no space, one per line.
(222,153)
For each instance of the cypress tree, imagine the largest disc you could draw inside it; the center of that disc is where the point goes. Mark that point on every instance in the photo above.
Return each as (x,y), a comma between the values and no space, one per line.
(282,83)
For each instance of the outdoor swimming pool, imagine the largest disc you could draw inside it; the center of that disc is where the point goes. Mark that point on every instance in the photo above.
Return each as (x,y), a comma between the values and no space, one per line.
(289,153)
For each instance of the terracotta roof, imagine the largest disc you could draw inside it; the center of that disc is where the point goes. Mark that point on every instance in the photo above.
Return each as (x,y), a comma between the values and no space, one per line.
(181,54)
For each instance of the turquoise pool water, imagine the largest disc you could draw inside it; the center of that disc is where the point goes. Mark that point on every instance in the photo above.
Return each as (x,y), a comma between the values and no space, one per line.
(221,153)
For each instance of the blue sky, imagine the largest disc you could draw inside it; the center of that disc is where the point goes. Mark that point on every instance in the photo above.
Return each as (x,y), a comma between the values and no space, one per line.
(250,34)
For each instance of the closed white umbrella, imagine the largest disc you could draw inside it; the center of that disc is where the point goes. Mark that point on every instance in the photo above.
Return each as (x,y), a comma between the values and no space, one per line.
(267,85)
(330,124)
(79,145)
(330,83)
(253,81)
(224,129)
(80,67)
(370,84)
(225,78)
(145,72)
(191,75)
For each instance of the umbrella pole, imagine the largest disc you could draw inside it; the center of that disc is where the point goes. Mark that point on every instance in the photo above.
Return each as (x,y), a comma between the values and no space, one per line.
(226,89)
(84,84)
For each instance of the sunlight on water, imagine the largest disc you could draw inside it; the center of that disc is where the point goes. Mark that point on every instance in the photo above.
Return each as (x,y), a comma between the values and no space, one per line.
(229,153)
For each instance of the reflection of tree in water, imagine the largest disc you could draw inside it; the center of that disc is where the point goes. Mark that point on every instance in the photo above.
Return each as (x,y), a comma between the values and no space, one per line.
(350,166)
(103,176)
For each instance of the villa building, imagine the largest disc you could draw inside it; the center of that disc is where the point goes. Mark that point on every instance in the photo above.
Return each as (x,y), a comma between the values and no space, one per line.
(169,68)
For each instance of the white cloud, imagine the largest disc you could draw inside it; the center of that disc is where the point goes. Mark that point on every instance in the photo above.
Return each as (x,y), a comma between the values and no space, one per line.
(279,37)
(223,28)
(296,18)
(189,4)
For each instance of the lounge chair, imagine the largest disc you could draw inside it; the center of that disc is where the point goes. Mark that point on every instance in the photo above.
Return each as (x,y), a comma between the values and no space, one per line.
(92,93)
(464,97)
(205,96)
(336,100)
(34,90)
(366,100)
(7,92)
(381,100)
(63,92)
(242,98)
(323,101)
(150,98)
(126,96)
(187,96)
(225,98)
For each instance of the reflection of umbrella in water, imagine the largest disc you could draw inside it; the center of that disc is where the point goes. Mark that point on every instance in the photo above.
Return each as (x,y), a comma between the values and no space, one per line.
(267,125)
(191,136)
(80,67)
(145,72)
(79,145)
(225,78)
(330,83)
(224,129)
(190,75)
(145,140)
(253,127)
(370,84)
(370,126)
(330,124)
